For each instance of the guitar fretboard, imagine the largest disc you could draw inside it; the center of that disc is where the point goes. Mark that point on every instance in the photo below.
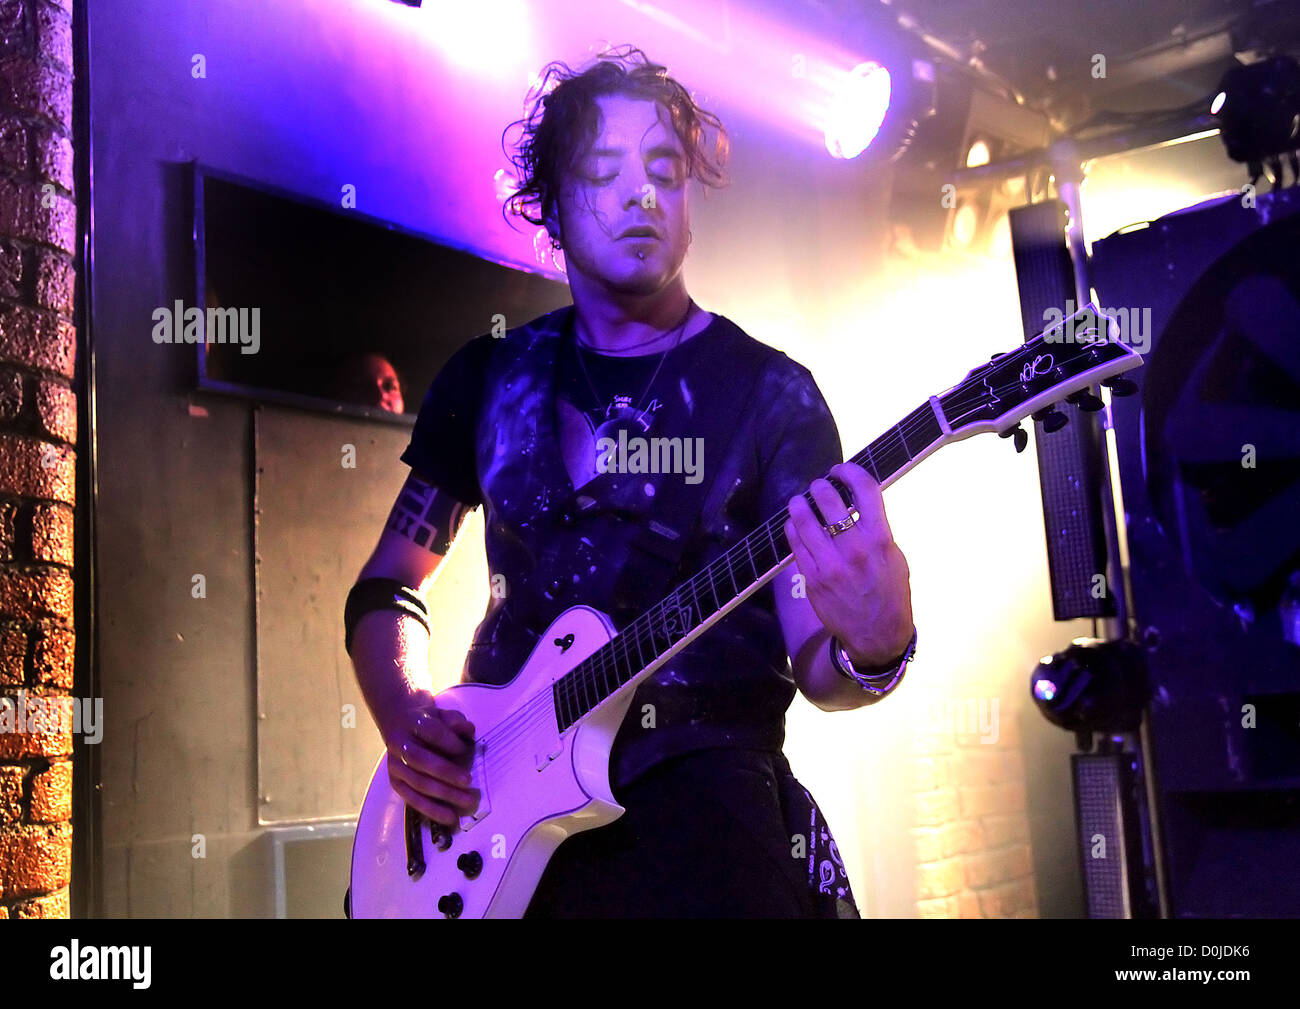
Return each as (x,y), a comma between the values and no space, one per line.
(694,601)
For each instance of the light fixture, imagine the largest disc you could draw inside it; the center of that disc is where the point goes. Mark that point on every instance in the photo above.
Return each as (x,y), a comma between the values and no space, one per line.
(1258,109)
(1092,686)
(858,110)
(876,106)
(978,154)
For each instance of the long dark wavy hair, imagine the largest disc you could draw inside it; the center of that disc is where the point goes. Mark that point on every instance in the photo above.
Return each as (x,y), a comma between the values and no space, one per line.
(561,122)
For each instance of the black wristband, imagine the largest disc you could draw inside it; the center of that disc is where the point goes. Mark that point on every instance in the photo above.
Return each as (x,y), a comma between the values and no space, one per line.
(371,594)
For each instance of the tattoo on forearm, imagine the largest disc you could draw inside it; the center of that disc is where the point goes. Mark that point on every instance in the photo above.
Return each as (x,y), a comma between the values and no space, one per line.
(426,516)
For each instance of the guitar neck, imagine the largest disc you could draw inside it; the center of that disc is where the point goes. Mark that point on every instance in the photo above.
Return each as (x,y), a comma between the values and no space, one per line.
(707,596)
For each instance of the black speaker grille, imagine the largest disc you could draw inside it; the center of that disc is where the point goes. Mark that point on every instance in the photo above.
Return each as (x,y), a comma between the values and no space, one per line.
(1069,460)
(1098,783)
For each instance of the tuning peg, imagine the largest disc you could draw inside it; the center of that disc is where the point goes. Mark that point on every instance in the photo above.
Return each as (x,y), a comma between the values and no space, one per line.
(1019,434)
(1085,401)
(1052,419)
(1120,386)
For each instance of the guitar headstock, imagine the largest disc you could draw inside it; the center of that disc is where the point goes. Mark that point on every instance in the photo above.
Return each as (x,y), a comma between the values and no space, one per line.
(1063,362)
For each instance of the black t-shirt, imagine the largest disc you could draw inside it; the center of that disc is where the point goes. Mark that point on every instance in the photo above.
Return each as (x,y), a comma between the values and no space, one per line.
(516,425)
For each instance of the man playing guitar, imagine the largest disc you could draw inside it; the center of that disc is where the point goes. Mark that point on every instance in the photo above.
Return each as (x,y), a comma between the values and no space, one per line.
(545,429)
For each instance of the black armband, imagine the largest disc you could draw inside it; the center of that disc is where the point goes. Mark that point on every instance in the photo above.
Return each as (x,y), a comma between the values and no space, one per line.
(380,594)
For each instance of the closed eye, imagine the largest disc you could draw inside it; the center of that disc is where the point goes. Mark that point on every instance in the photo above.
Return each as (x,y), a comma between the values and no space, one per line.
(672,174)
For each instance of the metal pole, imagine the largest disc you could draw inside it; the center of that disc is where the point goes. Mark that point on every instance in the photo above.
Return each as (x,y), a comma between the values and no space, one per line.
(1069,176)
(1069,173)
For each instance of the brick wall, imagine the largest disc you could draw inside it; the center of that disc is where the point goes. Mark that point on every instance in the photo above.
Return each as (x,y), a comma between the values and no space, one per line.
(971,829)
(38,418)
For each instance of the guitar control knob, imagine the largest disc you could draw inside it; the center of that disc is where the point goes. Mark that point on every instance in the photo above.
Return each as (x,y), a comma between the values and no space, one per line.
(441,837)
(470,863)
(451,905)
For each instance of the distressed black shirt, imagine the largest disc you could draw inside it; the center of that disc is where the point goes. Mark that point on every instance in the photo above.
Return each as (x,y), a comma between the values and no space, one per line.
(550,451)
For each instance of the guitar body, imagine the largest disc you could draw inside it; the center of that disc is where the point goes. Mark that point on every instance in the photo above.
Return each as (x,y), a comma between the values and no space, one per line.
(538,787)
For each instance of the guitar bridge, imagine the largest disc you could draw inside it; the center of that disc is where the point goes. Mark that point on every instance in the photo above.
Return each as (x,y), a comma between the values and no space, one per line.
(478,779)
(415,864)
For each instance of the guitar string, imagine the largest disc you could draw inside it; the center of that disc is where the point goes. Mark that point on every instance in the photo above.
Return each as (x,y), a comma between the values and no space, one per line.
(607,654)
(725,564)
(573,685)
(576,684)
(567,686)
(581,690)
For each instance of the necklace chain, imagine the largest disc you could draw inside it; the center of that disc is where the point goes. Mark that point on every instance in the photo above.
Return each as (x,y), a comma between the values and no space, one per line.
(644,343)
(681,327)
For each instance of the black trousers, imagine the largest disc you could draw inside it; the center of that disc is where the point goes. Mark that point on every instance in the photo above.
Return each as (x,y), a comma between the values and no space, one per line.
(714,833)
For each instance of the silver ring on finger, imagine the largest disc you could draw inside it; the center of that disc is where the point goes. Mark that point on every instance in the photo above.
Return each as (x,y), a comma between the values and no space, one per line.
(835,528)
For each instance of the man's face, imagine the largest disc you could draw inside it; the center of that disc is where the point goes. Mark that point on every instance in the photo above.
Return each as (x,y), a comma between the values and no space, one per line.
(375,383)
(633,176)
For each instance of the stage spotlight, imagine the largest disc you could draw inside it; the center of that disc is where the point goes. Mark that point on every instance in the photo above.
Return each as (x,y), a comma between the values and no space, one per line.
(859,109)
(1258,109)
(1092,686)
(877,105)
(978,154)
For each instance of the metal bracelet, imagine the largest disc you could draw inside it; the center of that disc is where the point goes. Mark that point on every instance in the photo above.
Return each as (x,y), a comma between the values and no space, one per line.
(879,680)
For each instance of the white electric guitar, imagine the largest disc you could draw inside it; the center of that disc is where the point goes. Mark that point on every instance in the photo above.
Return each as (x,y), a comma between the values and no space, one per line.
(541,756)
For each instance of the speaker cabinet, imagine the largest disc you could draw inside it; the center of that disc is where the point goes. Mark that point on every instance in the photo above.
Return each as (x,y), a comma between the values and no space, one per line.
(1113,848)
(1209,461)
